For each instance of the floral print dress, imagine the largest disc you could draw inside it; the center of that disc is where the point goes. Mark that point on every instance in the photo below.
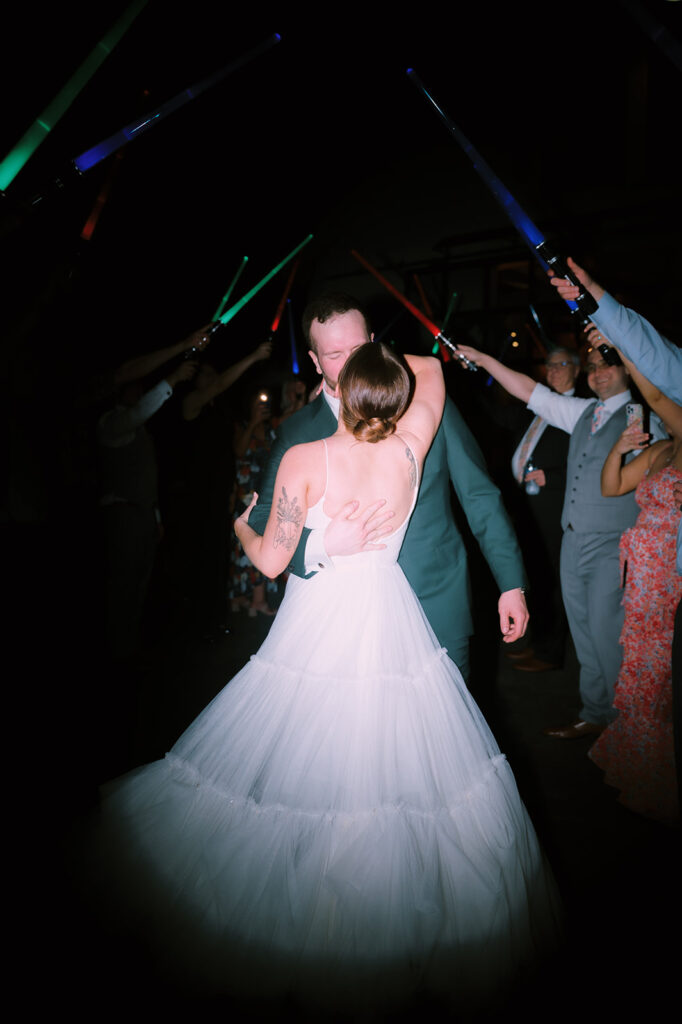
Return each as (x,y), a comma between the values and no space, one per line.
(636,750)
(244,576)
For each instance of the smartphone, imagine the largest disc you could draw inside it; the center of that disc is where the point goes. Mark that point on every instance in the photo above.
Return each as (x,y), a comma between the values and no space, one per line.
(634,413)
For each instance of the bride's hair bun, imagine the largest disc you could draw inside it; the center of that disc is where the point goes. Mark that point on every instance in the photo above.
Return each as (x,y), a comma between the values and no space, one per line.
(375,387)
(373,430)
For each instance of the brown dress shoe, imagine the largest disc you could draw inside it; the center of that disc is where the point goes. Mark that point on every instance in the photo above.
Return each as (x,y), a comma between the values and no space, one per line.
(523,655)
(575,730)
(533,665)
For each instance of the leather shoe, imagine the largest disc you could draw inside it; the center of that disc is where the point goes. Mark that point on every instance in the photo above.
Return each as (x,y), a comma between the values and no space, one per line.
(575,730)
(533,665)
(523,655)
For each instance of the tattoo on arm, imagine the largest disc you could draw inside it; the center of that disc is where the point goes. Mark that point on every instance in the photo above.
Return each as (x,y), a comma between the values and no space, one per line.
(289,520)
(412,468)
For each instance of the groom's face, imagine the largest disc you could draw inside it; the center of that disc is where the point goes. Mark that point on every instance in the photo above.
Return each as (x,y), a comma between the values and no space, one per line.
(334,342)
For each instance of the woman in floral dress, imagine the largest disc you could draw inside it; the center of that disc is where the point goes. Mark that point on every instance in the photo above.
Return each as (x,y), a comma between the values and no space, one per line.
(247,587)
(636,751)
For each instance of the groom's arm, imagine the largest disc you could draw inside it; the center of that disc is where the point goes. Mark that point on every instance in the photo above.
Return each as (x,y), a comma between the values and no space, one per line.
(488,519)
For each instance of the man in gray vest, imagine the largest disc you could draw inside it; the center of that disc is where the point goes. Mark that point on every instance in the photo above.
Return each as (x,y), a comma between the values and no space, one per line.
(592,525)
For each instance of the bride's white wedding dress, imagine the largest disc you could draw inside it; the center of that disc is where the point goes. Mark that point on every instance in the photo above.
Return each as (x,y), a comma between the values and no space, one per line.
(338,822)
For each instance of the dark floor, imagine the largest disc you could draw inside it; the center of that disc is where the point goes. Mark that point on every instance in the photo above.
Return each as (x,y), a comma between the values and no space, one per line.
(619,874)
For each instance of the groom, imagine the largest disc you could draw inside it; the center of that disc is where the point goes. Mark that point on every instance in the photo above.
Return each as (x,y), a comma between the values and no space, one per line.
(433,556)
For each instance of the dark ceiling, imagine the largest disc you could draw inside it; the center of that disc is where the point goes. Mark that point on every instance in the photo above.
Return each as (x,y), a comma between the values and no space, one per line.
(576,108)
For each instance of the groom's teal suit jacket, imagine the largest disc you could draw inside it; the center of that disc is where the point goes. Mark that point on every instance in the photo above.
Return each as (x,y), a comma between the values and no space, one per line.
(433,555)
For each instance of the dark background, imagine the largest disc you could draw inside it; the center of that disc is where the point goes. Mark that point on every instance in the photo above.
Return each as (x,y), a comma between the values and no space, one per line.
(575,107)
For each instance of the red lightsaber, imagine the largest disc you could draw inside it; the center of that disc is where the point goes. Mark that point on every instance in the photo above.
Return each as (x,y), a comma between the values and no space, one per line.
(428,324)
(427,307)
(285,295)
(101,201)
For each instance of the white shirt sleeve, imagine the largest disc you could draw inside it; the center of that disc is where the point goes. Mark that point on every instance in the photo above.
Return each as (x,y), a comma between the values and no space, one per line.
(316,557)
(117,427)
(562,411)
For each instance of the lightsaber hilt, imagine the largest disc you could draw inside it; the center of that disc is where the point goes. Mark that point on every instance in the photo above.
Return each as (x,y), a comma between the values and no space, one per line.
(585,303)
(194,352)
(453,348)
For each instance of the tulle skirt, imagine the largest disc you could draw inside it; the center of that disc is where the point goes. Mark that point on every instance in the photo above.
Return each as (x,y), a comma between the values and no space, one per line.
(338,825)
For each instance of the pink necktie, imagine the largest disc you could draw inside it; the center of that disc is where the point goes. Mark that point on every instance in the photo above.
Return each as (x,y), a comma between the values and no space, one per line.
(527,446)
(598,416)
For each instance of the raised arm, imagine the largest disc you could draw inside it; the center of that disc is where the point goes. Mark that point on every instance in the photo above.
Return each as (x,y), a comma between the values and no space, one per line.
(141,366)
(670,412)
(520,385)
(197,399)
(423,416)
(618,477)
(655,355)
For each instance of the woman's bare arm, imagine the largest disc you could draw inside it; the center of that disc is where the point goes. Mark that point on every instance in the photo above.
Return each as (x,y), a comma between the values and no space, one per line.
(272,552)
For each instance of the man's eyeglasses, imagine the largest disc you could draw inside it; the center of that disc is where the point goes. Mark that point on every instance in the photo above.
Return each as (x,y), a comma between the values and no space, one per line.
(555,366)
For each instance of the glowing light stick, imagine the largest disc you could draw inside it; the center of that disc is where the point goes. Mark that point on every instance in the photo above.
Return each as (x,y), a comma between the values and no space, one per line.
(656,32)
(545,340)
(285,294)
(427,308)
(131,131)
(448,313)
(43,125)
(227,316)
(584,304)
(428,324)
(100,202)
(292,339)
(451,305)
(226,296)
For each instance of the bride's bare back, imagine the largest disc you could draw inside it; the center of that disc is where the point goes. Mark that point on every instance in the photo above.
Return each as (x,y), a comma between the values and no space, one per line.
(386,470)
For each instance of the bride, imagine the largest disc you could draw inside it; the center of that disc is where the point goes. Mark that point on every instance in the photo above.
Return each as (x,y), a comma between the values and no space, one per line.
(338,827)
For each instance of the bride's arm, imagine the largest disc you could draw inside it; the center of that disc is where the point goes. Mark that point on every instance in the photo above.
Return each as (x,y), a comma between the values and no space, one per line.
(272,552)
(425,411)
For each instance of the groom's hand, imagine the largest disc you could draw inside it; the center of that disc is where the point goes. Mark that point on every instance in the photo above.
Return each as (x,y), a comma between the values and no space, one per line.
(354,529)
(513,614)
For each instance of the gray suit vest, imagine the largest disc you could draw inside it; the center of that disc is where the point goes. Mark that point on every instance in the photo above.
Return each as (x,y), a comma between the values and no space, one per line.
(585,509)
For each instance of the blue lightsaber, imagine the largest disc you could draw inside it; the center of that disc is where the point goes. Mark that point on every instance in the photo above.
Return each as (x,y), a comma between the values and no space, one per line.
(131,131)
(584,305)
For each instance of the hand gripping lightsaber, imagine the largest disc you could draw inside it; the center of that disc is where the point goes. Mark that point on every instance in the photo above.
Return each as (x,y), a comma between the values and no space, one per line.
(584,305)
(428,324)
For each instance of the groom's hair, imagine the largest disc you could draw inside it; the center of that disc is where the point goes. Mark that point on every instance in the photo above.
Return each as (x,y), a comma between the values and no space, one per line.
(375,387)
(325,307)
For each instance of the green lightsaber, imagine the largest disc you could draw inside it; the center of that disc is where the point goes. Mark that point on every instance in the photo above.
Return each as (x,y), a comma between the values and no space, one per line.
(226,296)
(227,316)
(43,125)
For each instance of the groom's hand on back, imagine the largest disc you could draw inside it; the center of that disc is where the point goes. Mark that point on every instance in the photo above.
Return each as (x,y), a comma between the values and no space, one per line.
(354,529)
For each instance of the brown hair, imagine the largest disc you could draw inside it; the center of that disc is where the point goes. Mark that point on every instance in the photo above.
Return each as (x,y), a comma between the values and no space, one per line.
(375,387)
(326,307)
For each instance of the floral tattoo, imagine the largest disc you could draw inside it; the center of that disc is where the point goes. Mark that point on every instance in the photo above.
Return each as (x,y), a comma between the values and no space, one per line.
(289,519)
(413,466)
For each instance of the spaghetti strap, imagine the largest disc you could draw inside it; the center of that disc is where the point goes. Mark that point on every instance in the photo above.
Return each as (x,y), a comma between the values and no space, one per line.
(326,470)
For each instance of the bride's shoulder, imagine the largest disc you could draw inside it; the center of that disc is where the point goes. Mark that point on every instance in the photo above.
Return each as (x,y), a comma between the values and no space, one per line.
(309,453)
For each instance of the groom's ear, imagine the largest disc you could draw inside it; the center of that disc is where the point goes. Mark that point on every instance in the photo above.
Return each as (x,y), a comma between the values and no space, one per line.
(315,360)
